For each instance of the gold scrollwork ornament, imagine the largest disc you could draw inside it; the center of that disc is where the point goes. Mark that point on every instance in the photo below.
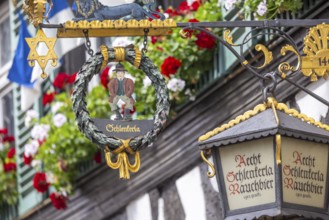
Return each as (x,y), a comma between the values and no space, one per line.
(268,57)
(228,38)
(122,160)
(211,166)
(285,67)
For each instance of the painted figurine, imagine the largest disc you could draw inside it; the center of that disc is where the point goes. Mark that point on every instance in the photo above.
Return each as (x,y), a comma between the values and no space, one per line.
(121,88)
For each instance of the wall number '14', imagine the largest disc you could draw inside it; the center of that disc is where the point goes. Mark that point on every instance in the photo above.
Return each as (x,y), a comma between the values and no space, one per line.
(323,61)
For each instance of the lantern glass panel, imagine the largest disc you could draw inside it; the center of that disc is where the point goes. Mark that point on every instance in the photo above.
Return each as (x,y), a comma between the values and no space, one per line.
(248,172)
(304,172)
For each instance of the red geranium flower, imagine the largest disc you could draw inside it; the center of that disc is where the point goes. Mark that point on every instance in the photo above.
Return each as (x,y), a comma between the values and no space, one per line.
(27,160)
(154,39)
(8,139)
(58,200)
(9,167)
(205,41)
(60,80)
(48,98)
(189,31)
(195,5)
(105,77)
(183,7)
(98,157)
(170,66)
(40,182)
(11,153)
(4,131)
(193,20)
(71,78)
(171,12)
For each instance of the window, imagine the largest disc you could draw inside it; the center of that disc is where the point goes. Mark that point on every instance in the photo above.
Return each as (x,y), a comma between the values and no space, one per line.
(73,60)
(7,110)
(5,42)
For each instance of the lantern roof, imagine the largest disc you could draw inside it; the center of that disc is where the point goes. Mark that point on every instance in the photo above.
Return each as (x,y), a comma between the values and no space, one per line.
(266,120)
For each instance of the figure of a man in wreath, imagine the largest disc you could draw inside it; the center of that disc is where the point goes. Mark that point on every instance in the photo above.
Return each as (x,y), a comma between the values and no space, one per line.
(121,88)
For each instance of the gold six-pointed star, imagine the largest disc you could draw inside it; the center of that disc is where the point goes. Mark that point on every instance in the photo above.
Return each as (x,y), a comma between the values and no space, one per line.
(41,59)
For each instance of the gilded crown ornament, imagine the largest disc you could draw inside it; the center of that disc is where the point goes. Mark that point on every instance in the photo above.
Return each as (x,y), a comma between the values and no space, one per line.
(316,62)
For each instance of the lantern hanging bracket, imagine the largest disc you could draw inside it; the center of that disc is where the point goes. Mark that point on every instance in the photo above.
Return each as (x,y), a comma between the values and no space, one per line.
(211,173)
(269,84)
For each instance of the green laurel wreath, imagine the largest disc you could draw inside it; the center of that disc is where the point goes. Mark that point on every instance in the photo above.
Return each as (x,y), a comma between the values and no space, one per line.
(86,124)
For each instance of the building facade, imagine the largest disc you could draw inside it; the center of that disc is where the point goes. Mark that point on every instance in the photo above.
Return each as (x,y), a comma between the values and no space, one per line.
(172,183)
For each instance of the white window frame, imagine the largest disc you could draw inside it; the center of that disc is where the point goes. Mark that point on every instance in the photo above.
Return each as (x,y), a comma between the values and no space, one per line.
(5,13)
(3,93)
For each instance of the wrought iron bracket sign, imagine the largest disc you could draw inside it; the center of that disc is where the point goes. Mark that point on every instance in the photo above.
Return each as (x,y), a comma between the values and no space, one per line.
(270,160)
(104,21)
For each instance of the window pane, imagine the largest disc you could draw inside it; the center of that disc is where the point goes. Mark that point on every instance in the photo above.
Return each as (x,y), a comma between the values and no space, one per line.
(73,60)
(5,41)
(8,116)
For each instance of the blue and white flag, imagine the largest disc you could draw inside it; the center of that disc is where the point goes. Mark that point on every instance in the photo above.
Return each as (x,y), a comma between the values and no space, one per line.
(20,71)
(60,13)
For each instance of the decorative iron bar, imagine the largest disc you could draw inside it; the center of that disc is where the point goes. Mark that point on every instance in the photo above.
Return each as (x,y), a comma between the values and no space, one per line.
(235,24)
(274,29)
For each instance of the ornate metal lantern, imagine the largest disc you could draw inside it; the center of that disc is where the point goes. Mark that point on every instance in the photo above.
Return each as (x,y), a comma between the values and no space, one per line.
(270,161)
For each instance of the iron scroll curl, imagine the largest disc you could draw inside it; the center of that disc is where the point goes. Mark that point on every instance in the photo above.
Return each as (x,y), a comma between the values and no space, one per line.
(86,124)
(283,69)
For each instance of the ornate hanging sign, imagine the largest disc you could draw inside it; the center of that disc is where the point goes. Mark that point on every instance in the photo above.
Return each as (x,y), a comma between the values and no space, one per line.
(123,136)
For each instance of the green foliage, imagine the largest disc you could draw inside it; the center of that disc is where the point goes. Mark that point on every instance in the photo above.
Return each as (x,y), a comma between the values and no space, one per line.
(209,11)
(98,102)
(8,187)
(273,7)
(8,191)
(66,147)
(194,60)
